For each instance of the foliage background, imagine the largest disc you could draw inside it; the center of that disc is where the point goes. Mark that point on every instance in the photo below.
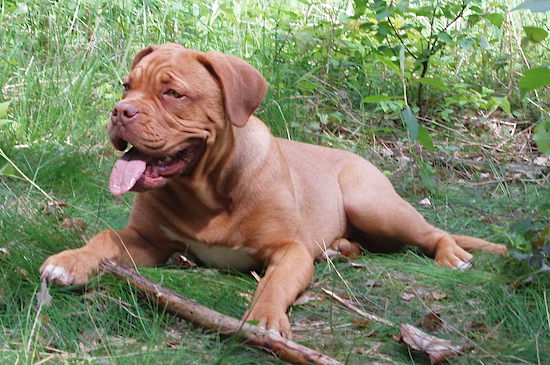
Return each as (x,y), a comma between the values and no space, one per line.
(446,97)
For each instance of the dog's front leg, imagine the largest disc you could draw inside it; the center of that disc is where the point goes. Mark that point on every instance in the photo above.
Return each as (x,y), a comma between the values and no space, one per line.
(125,246)
(289,272)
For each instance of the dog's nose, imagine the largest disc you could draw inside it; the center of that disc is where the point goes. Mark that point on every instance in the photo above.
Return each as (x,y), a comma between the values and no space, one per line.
(124,112)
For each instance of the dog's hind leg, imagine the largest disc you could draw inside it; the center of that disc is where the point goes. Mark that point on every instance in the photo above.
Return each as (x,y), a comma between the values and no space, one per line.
(373,207)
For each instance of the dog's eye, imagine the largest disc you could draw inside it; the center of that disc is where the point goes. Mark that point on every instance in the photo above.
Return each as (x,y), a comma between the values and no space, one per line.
(173,93)
(126,86)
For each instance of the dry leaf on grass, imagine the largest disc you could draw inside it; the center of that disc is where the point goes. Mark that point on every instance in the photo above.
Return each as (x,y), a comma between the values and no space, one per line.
(43,297)
(54,207)
(74,224)
(438,350)
(180,260)
(432,321)
(438,295)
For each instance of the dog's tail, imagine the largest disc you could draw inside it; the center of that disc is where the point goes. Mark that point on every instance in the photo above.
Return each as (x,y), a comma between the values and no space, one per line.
(477,244)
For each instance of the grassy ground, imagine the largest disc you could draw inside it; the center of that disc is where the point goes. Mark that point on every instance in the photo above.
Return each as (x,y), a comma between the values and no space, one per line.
(61,65)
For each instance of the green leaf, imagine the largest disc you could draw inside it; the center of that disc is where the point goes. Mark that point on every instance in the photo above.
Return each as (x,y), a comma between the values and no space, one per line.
(433,81)
(484,43)
(534,78)
(535,34)
(378,98)
(425,139)
(387,62)
(495,18)
(542,137)
(427,176)
(466,43)
(445,37)
(4,108)
(384,14)
(359,7)
(411,123)
(505,106)
(522,226)
(534,5)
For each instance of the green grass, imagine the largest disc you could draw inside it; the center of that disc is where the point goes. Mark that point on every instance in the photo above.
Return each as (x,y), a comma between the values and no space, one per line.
(61,64)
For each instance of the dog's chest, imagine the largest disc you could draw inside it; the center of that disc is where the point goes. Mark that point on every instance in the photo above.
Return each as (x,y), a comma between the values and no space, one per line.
(237,258)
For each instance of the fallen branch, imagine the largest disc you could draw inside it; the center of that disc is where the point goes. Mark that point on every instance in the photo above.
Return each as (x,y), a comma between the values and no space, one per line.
(347,304)
(191,311)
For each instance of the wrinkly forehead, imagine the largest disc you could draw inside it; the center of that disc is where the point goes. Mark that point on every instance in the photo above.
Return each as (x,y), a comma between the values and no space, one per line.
(166,64)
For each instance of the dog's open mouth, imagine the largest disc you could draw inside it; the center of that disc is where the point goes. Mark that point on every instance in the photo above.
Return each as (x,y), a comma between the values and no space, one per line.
(138,172)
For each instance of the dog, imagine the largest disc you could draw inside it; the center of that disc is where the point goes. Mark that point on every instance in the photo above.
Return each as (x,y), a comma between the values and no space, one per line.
(211,180)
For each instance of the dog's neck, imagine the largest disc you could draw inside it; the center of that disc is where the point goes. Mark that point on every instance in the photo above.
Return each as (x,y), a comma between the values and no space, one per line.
(251,146)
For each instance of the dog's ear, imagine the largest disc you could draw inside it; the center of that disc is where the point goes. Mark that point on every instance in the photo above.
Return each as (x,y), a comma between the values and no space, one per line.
(144,52)
(243,87)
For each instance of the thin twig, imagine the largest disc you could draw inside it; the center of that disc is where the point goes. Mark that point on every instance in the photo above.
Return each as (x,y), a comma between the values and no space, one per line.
(347,304)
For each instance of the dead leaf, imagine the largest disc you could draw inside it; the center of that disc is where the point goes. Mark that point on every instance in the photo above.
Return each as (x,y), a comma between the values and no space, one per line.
(407,296)
(58,203)
(478,326)
(432,321)
(43,297)
(438,350)
(45,319)
(542,161)
(181,261)
(54,207)
(437,295)
(306,297)
(361,324)
(74,224)
(372,283)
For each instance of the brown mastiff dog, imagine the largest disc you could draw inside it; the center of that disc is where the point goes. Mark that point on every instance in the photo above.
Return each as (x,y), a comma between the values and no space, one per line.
(213,181)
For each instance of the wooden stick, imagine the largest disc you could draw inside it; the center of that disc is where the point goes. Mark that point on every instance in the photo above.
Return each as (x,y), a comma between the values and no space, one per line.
(347,304)
(255,336)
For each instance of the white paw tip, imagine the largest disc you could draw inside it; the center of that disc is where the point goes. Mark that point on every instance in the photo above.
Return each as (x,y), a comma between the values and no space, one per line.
(57,272)
(47,270)
(52,272)
(464,265)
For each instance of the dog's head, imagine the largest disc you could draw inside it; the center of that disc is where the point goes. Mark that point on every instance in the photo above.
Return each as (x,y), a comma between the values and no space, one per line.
(176,103)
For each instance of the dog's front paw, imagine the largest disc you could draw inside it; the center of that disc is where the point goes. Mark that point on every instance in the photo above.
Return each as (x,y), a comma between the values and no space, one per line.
(70,267)
(269,318)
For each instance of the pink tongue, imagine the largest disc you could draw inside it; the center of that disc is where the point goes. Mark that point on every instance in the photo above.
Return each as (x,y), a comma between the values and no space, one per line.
(127,171)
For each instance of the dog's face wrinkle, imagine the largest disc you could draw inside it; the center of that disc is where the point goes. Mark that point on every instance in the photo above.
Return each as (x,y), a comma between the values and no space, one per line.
(167,122)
